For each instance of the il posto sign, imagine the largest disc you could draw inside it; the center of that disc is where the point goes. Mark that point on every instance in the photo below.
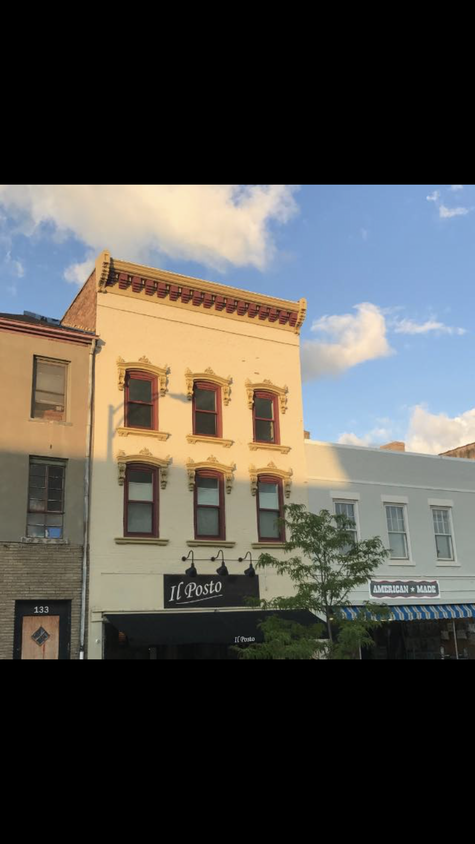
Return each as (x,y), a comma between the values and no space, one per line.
(404,589)
(208,590)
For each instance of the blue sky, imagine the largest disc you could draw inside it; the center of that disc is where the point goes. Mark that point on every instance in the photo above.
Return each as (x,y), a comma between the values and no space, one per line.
(387,271)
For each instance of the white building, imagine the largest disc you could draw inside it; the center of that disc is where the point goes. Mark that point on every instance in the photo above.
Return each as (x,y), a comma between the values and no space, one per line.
(423,508)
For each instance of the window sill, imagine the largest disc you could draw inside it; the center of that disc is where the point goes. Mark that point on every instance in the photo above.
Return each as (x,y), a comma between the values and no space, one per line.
(50,422)
(284,449)
(267,544)
(400,563)
(198,438)
(449,564)
(142,432)
(211,543)
(137,540)
(39,540)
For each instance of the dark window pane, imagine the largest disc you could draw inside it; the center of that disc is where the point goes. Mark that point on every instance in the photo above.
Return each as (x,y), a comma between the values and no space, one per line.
(205,399)
(264,431)
(264,408)
(35,519)
(140,390)
(139,416)
(207,521)
(268,526)
(139,518)
(38,470)
(54,520)
(136,476)
(55,494)
(56,472)
(205,423)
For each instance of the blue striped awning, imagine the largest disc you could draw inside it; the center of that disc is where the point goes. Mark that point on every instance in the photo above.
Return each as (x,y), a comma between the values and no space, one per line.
(424,612)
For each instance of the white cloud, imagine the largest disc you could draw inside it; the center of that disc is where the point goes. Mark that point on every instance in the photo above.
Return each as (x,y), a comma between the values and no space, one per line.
(456,187)
(354,339)
(434,433)
(78,273)
(376,437)
(445,213)
(409,326)
(217,225)
(434,197)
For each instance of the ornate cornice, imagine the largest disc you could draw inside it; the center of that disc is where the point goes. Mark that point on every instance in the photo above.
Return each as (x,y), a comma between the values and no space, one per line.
(144,365)
(145,456)
(181,291)
(208,375)
(210,463)
(271,469)
(283,449)
(251,387)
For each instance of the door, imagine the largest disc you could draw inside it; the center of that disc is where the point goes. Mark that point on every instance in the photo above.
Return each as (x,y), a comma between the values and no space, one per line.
(42,629)
(40,637)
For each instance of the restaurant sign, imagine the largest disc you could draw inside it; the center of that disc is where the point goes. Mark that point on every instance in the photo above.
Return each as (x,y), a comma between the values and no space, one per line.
(209,590)
(382,589)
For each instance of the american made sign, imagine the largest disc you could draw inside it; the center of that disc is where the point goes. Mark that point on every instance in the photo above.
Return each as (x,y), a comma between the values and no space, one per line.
(208,590)
(404,589)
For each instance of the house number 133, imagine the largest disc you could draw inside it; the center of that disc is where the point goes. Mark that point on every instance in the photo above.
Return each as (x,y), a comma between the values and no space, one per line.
(41,610)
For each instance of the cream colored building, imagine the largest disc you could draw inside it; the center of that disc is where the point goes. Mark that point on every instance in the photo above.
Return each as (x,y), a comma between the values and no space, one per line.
(198,434)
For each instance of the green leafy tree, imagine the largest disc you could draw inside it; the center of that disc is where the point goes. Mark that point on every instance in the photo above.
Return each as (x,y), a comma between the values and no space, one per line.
(331,565)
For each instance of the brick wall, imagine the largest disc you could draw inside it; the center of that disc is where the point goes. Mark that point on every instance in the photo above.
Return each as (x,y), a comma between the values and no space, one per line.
(38,571)
(82,312)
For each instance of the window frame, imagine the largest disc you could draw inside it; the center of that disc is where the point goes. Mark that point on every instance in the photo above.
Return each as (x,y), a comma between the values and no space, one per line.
(64,364)
(154,471)
(46,512)
(266,394)
(402,506)
(215,388)
(140,375)
(270,479)
(354,503)
(447,510)
(210,473)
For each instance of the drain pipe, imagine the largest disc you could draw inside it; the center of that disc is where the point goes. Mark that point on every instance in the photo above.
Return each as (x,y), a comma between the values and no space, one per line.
(87,484)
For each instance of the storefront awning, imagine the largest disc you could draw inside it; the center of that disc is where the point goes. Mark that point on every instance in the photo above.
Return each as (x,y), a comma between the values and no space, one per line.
(200,627)
(421,612)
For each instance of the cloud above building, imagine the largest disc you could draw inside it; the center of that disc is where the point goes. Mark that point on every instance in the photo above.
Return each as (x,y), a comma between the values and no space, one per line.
(216,225)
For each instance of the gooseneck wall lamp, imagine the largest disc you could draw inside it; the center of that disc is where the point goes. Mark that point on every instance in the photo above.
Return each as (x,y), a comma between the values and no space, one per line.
(251,572)
(191,572)
(222,571)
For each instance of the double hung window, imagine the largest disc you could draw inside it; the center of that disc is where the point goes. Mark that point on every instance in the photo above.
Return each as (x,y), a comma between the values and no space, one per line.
(265,418)
(397,532)
(49,389)
(443,533)
(209,505)
(269,509)
(141,501)
(347,508)
(206,409)
(46,499)
(141,401)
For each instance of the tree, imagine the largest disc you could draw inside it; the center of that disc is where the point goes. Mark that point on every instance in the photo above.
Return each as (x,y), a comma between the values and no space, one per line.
(332,565)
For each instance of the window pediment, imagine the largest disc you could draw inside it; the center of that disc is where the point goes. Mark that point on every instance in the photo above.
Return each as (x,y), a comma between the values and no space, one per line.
(269,387)
(146,458)
(208,375)
(271,469)
(214,464)
(143,365)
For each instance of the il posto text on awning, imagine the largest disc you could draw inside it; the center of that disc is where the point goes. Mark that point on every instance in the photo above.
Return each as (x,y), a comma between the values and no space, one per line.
(404,589)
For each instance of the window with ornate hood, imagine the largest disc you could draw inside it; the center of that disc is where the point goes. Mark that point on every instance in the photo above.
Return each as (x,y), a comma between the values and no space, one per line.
(142,383)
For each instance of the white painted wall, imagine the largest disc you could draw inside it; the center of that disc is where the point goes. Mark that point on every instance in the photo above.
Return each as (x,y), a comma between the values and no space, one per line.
(372,476)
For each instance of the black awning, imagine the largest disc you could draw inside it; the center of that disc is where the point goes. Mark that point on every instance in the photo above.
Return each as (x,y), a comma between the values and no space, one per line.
(219,628)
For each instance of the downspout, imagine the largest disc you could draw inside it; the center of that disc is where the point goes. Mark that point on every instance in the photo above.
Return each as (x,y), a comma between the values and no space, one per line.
(87,484)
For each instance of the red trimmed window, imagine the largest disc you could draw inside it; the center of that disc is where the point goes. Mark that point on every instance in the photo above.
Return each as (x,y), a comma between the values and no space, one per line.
(270,507)
(265,418)
(209,505)
(207,409)
(141,501)
(141,401)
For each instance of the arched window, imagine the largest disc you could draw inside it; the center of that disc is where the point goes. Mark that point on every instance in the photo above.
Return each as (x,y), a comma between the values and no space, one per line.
(141,500)
(141,400)
(265,415)
(209,505)
(207,409)
(270,507)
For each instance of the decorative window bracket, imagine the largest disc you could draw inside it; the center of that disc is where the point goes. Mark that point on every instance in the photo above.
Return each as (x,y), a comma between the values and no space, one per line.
(145,457)
(143,365)
(270,388)
(208,375)
(271,469)
(214,464)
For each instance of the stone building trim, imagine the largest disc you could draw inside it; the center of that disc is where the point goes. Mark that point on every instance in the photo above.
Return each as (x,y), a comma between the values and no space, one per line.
(208,375)
(271,469)
(147,458)
(269,387)
(214,464)
(143,365)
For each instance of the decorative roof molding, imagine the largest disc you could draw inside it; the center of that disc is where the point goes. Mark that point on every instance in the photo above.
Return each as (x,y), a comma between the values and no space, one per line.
(271,469)
(208,375)
(146,457)
(181,291)
(211,463)
(144,365)
(270,387)
(103,266)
